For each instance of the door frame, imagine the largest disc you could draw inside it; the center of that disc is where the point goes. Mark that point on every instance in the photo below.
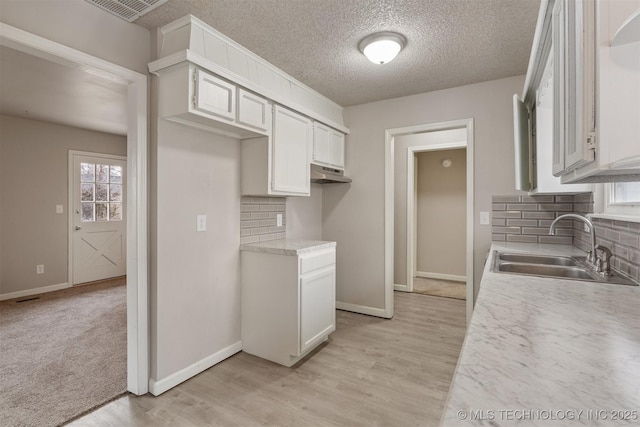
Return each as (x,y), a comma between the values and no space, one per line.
(390,135)
(70,207)
(137,198)
(412,216)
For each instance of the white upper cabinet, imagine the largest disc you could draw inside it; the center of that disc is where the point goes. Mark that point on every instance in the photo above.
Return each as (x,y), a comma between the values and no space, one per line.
(253,110)
(214,96)
(328,146)
(595,96)
(292,140)
(278,165)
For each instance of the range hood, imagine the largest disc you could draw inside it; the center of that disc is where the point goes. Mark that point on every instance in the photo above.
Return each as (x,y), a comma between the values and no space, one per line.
(325,175)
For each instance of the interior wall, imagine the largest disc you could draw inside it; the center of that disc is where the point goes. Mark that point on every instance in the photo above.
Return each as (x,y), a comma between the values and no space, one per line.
(34,170)
(82,26)
(354,215)
(441,202)
(195,286)
(304,215)
(400,153)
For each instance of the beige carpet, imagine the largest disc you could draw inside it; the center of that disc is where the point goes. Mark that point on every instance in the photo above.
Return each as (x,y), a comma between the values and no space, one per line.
(440,288)
(62,354)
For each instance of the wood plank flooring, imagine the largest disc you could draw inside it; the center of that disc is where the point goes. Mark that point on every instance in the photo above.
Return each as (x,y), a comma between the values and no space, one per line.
(372,372)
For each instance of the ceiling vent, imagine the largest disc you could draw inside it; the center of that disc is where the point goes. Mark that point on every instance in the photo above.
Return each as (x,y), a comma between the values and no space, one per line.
(129,10)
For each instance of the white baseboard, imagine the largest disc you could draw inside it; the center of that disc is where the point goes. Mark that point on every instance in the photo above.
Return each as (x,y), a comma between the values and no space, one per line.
(158,387)
(362,309)
(441,276)
(35,291)
(401,288)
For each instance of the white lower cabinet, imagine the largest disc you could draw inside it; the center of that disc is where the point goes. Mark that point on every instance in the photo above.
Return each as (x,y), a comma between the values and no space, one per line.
(288,303)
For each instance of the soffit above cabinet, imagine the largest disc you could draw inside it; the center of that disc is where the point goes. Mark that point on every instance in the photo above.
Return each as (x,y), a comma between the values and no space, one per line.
(189,39)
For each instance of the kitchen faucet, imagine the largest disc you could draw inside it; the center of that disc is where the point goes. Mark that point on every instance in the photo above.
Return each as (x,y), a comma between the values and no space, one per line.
(592,257)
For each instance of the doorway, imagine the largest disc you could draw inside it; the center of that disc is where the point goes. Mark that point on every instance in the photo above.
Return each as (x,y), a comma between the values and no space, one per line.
(464,126)
(136,187)
(97,217)
(436,235)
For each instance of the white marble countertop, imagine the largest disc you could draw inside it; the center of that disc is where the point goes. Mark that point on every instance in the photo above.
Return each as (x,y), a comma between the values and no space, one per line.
(540,350)
(287,246)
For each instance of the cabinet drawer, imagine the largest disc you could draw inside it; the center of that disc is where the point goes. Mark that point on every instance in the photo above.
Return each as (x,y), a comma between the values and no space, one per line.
(314,261)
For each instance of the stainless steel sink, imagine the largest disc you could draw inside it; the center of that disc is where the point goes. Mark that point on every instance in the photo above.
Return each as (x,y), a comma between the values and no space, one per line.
(538,259)
(572,268)
(545,270)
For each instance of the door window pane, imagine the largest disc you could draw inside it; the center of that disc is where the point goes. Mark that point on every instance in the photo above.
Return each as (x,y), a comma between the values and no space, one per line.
(87,193)
(116,174)
(115,193)
(102,173)
(87,172)
(115,212)
(102,192)
(102,213)
(87,212)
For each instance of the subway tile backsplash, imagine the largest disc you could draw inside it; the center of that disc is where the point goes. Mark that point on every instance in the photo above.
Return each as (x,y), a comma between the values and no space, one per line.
(258,219)
(527,219)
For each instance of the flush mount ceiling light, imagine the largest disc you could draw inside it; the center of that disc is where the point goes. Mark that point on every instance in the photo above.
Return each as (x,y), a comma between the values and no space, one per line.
(383,47)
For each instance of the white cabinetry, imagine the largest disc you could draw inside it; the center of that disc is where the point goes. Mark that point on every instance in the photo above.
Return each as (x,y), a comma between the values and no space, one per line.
(328,146)
(194,97)
(254,111)
(288,303)
(279,165)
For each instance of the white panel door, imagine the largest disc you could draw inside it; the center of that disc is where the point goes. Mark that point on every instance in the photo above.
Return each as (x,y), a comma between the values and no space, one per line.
(98,213)
(292,138)
(321,143)
(253,110)
(336,149)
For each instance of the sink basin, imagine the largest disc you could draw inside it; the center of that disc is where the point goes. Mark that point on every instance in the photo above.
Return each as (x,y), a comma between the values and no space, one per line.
(561,267)
(538,259)
(546,270)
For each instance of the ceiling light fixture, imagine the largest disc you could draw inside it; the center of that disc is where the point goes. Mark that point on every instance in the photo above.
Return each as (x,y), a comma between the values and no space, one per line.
(383,47)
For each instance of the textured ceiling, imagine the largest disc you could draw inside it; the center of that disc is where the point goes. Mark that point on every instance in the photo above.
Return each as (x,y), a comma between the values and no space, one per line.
(39,89)
(450,42)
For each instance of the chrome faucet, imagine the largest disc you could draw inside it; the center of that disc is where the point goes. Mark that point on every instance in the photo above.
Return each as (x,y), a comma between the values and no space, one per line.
(592,256)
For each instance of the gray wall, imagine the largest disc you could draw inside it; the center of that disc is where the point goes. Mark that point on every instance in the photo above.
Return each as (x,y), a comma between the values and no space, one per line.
(354,215)
(195,280)
(400,152)
(82,26)
(304,215)
(442,213)
(34,179)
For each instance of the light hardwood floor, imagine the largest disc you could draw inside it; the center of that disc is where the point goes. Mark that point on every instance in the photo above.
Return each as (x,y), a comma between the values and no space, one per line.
(372,372)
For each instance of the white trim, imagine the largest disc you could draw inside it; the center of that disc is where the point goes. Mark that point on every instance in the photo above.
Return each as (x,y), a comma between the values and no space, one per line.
(363,309)
(412,208)
(70,177)
(400,288)
(158,387)
(627,218)
(137,148)
(34,291)
(390,134)
(440,276)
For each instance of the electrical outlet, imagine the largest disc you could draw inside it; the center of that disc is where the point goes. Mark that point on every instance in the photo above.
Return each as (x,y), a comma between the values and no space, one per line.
(279,220)
(59,209)
(484,218)
(201,223)
(40,269)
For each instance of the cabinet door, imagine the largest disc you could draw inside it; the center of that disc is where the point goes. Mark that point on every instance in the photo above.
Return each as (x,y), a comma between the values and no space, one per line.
(321,144)
(317,306)
(292,138)
(336,149)
(558,30)
(214,96)
(253,110)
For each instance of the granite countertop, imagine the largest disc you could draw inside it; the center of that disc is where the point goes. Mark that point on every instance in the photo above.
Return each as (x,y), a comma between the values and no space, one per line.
(540,350)
(287,246)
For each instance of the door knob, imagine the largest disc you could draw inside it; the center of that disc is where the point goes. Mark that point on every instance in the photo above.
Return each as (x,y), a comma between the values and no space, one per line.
(78,227)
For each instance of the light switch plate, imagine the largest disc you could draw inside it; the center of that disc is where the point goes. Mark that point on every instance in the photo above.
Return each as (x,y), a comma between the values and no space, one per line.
(485,218)
(201,223)
(59,209)
(279,220)
(40,269)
